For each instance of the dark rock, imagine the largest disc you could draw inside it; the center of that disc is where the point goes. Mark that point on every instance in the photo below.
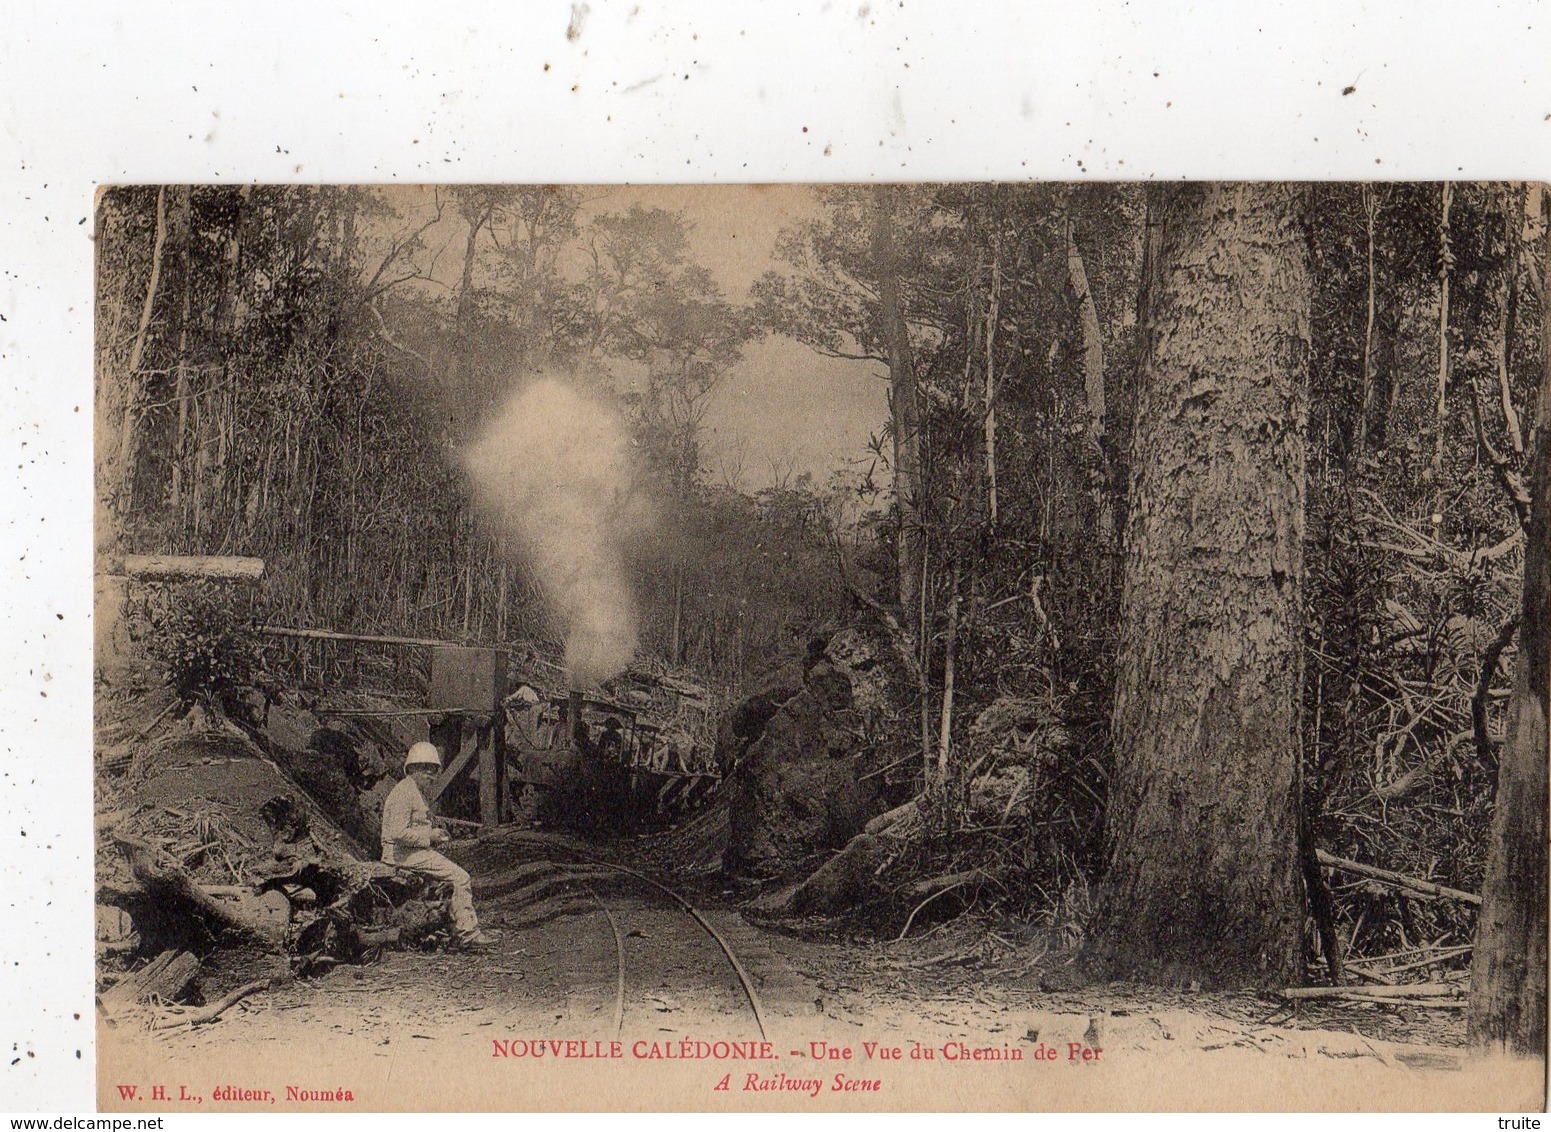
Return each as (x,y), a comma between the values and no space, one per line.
(844,881)
(285,818)
(746,721)
(798,790)
(805,755)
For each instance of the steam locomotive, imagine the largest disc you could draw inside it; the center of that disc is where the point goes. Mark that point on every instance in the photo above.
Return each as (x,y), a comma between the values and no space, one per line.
(631,760)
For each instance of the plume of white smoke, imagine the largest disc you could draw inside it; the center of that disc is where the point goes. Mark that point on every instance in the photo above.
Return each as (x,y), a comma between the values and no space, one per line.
(554,468)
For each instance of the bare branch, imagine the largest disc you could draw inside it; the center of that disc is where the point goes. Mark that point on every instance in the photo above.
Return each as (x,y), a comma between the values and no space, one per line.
(398,247)
(387,336)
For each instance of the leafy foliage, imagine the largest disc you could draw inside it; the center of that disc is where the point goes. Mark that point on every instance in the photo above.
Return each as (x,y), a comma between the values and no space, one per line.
(202,639)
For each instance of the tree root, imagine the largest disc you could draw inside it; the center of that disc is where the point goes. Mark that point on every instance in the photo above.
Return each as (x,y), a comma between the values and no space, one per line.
(215,1010)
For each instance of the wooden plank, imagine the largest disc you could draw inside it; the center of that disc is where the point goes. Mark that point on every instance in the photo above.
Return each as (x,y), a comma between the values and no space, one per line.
(466,679)
(176,567)
(362,638)
(454,768)
(489,777)
(1386,990)
(165,977)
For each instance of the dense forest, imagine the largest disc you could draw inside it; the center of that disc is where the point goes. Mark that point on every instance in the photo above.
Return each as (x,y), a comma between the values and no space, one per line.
(1205,507)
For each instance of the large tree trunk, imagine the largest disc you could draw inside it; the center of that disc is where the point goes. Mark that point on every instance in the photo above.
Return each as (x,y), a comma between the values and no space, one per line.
(1202,828)
(1508,970)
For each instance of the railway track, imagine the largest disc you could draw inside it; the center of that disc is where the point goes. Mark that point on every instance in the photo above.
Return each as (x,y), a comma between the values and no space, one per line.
(563,867)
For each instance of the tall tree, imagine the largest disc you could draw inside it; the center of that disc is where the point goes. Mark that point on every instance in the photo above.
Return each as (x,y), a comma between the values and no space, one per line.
(531,232)
(1445,263)
(661,332)
(856,295)
(130,428)
(905,413)
(1508,969)
(1202,820)
(472,393)
(684,337)
(1092,366)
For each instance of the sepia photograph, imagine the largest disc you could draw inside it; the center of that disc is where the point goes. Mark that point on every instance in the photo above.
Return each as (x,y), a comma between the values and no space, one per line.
(949,646)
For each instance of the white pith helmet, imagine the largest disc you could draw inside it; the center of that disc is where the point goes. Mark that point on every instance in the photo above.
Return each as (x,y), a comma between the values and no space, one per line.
(423,754)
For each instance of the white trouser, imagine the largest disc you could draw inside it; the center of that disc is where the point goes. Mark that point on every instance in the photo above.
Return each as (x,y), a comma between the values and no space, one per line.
(428,862)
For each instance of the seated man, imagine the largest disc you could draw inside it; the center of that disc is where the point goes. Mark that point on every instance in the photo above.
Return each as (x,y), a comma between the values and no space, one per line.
(407,837)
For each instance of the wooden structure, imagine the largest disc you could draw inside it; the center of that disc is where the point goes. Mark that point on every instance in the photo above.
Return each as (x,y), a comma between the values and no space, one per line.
(182,567)
(641,754)
(468,684)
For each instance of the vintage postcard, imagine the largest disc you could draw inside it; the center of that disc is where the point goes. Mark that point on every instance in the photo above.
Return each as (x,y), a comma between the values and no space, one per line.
(1031,647)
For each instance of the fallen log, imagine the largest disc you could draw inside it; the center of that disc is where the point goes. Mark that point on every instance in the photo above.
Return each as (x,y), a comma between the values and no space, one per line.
(902,815)
(849,876)
(932,885)
(842,881)
(1397,880)
(154,869)
(166,977)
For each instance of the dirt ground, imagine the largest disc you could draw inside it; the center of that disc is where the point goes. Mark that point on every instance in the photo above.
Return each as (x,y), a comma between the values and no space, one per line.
(440,1030)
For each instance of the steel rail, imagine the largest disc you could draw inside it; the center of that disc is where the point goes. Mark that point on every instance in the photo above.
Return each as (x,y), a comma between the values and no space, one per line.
(743,976)
(744,980)
(619,956)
